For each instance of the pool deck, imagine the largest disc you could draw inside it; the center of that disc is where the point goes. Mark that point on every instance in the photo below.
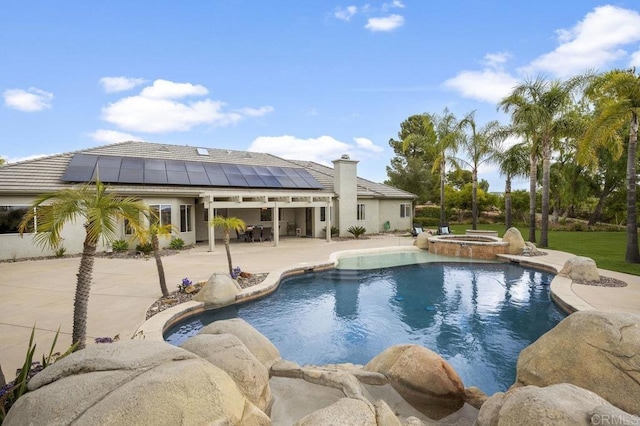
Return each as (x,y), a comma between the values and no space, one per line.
(40,292)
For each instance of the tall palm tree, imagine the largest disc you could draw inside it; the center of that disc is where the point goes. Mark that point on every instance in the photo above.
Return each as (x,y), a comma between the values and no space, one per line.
(227,224)
(511,162)
(481,146)
(616,95)
(448,132)
(538,108)
(101,210)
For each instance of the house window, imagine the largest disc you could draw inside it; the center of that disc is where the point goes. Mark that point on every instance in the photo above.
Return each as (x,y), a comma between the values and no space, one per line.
(162,213)
(405,210)
(128,229)
(221,212)
(265,215)
(10,218)
(185,218)
(323,214)
(360,212)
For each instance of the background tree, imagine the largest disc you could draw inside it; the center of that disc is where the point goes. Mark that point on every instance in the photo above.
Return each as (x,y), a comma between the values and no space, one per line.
(101,211)
(538,108)
(616,96)
(227,224)
(480,145)
(410,169)
(512,162)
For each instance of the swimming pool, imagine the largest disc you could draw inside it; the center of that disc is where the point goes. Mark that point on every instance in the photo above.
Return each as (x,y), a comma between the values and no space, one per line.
(478,316)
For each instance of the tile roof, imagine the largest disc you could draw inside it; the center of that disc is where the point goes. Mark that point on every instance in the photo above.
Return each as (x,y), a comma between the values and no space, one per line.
(44,174)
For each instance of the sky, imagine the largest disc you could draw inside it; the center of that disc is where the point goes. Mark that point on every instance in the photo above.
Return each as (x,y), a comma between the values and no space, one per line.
(306,80)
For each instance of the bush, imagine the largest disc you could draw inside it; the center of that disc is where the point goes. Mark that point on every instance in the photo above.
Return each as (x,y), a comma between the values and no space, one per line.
(145,248)
(357,231)
(120,246)
(60,251)
(427,221)
(334,231)
(176,244)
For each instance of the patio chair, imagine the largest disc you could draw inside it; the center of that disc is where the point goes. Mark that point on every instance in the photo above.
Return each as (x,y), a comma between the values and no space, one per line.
(265,234)
(417,228)
(242,235)
(444,230)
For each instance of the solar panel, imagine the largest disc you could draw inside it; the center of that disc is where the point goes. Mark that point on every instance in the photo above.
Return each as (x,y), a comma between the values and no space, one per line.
(135,170)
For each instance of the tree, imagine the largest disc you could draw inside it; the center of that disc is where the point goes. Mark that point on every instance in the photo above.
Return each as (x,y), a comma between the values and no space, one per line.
(410,169)
(448,135)
(538,108)
(153,232)
(616,95)
(480,145)
(101,210)
(511,162)
(227,224)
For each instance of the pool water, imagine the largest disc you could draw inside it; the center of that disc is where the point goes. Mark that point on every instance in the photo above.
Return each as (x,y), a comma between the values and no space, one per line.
(477,316)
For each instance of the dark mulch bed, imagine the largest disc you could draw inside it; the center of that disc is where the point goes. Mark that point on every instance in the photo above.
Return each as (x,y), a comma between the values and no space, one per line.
(604,282)
(178,297)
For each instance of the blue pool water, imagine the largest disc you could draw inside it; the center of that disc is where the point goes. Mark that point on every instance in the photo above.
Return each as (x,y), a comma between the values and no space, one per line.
(478,316)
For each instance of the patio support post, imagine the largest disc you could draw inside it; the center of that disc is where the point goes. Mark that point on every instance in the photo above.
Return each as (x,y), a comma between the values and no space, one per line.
(328,221)
(212,231)
(276,224)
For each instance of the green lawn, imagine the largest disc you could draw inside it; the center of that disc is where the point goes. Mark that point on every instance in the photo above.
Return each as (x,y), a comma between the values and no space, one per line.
(606,248)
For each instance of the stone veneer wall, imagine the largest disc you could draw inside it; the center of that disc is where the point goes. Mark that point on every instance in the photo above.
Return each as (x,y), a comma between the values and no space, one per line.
(469,249)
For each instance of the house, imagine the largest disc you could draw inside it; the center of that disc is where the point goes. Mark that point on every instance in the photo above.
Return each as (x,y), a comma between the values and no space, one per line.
(187,186)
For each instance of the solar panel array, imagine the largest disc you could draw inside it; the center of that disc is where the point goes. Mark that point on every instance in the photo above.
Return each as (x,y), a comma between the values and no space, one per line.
(151,171)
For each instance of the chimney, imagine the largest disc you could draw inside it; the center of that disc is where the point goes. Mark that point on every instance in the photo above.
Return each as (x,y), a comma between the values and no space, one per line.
(345,185)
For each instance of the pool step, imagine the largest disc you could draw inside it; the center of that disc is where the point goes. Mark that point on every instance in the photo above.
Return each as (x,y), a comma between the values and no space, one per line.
(344,274)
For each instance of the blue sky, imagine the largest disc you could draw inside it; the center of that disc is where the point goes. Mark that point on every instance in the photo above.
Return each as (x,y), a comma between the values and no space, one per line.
(308,80)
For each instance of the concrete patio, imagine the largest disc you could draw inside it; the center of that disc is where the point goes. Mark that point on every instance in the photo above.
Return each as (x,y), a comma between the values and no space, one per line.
(40,292)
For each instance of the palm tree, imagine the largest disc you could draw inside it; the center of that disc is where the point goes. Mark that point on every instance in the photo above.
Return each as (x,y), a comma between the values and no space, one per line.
(616,95)
(448,136)
(101,210)
(228,224)
(152,233)
(480,145)
(538,109)
(512,162)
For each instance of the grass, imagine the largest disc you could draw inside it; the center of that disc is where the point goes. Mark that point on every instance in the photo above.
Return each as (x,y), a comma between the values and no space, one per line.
(607,249)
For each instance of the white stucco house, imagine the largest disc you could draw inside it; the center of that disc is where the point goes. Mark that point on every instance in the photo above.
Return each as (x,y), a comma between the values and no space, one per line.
(189,185)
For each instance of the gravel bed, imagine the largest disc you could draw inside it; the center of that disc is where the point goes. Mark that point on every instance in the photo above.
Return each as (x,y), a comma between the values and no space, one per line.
(604,282)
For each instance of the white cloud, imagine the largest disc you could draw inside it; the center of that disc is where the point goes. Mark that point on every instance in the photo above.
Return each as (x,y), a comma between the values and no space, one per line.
(346,13)
(112,136)
(388,23)
(120,84)
(593,43)
(165,89)
(30,100)
(394,4)
(488,85)
(635,59)
(157,109)
(367,145)
(496,60)
(321,150)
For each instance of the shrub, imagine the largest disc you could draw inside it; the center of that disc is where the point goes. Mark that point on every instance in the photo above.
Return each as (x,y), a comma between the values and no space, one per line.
(186,282)
(60,251)
(120,246)
(334,231)
(357,231)
(145,248)
(176,244)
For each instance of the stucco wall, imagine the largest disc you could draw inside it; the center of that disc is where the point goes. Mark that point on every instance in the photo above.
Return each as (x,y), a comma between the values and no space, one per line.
(390,211)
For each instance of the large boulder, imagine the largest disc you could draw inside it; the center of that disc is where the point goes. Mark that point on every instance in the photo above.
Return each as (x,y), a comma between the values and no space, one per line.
(422,241)
(220,290)
(346,411)
(580,268)
(133,382)
(562,404)
(258,345)
(422,378)
(515,240)
(594,350)
(228,353)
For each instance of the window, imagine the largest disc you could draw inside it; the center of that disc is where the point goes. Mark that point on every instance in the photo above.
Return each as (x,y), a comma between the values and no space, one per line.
(128,230)
(185,218)
(162,213)
(405,210)
(10,218)
(265,215)
(360,212)
(323,214)
(221,212)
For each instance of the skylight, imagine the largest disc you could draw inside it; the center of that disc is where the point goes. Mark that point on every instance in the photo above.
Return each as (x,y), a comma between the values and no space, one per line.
(203,151)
